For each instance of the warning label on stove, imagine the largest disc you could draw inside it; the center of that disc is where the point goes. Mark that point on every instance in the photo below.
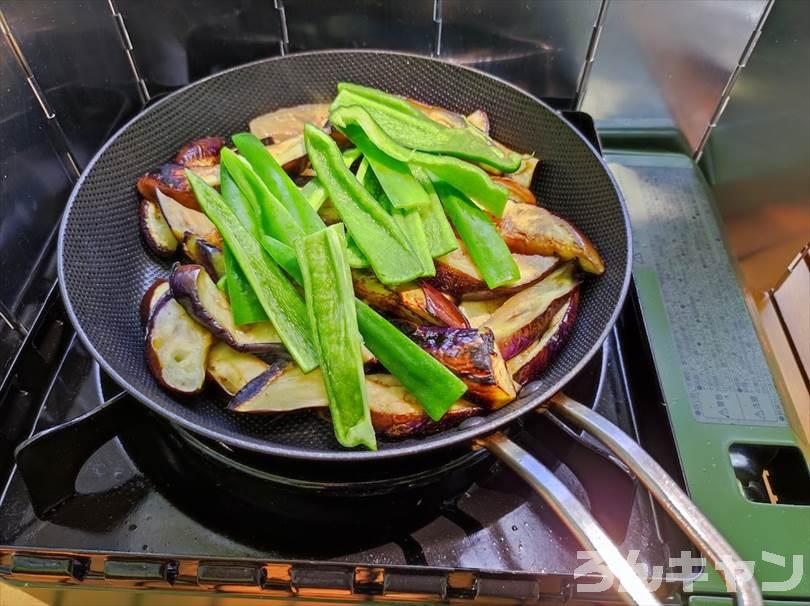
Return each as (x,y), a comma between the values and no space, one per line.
(675,232)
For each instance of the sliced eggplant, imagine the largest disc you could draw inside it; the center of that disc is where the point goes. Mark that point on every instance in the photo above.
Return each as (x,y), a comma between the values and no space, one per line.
(200,152)
(525,174)
(231,369)
(525,316)
(394,411)
(155,229)
(457,275)
(288,122)
(478,312)
(415,302)
(183,220)
(480,120)
(439,114)
(533,230)
(198,294)
(291,154)
(171,179)
(396,414)
(177,348)
(473,357)
(528,364)
(206,254)
(517,192)
(151,298)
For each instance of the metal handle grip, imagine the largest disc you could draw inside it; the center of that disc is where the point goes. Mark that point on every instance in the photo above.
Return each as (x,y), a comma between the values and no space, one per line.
(668,494)
(573,513)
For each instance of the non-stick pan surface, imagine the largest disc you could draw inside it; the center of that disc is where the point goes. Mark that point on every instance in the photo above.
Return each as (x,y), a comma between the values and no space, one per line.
(104,267)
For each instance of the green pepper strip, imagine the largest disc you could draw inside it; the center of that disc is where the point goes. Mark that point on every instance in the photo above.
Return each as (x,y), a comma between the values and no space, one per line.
(383,98)
(478,232)
(409,220)
(275,219)
(433,385)
(281,302)
(373,230)
(278,182)
(417,131)
(400,186)
(466,177)
(284,256)
(438,231)
(245,306)
(330,304)
(314,192)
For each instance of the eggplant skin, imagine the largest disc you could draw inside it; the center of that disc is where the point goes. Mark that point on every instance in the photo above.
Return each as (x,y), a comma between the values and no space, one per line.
(151,298)
(530,363)
(204,253)
(472,355)
(177,348)
(155,229)
(517,191)
(200,152)
(198,294)
(533,230)
(231,369)
(171,179)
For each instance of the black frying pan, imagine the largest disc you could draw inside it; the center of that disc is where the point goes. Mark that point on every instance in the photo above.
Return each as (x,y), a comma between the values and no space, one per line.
(104,268)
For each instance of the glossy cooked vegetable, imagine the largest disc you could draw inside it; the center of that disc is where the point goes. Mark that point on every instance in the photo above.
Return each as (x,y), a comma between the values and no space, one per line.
(438,231)
(413,130)
(488,251)
(468,178)
(314,192)
(278,182)
(332,316)
(281,302)
(183,220)
(231,369)
(155,229)
(372,229)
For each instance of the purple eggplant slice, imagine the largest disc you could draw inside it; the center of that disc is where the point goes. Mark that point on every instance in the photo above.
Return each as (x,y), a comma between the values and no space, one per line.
(231,369)
(532,230)
(288,122)
(525,316)
(457,275)
(177,348)
(155,229)
(281,388)
(480,120)
(472,355)
(528,364)
(478,312)
(183,220)
(198,294)
(151,298)
(206,254)
(200,152)
(412,301)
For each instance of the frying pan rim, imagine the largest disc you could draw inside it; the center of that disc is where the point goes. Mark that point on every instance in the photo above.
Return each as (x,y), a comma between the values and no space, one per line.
(452,437)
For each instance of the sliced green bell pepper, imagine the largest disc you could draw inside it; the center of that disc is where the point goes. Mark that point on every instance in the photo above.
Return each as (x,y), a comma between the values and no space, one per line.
(438,231)
(314,192)
(372,229)
(478,232)
(330,305)
(468,178)
(278,297)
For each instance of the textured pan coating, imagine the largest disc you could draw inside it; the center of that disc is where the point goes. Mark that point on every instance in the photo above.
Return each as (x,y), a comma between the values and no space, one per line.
(103,279)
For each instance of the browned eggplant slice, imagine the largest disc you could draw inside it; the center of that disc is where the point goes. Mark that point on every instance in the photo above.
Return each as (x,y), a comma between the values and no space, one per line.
(288,122)
(523,176)
(528,364)
(415,302)
(183,220)
(231,369)
(198,294)
(473,357)
(525,316)
(480,120)
(177,348)
(155,229)
(281,388)
(517,192)
(200,152)
(533,230)
(206,254)
(439,114)
(151,298)
(291,154)
(457,275)
(171,179)
(478,312)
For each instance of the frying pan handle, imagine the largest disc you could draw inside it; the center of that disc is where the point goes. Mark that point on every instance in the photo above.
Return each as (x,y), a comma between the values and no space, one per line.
(573,513)
(51,460)
(668,494)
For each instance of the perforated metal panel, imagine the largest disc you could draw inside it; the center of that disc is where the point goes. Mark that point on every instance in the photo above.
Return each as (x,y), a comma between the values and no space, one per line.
(105,268)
